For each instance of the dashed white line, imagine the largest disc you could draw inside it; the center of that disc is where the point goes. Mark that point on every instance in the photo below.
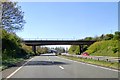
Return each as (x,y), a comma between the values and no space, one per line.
(50,60)
(91,65)
(61,67)
(18,69)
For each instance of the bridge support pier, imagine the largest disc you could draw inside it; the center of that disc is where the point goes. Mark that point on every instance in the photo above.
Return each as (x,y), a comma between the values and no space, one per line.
(81,49)
(34,49)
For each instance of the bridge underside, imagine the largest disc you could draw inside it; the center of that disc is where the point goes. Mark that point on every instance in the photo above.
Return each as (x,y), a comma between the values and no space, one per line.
(35,43)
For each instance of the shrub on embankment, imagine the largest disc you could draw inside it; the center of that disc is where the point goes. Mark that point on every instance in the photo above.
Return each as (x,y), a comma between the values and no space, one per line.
(13,50)
(104,48)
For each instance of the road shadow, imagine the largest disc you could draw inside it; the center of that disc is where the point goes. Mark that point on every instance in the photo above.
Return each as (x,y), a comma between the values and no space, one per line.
(45,63)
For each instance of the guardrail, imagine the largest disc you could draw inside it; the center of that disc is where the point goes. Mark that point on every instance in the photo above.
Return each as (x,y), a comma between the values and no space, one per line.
(99,58)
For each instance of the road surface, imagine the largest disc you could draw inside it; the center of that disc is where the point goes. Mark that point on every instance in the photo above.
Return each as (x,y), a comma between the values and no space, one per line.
(49,66)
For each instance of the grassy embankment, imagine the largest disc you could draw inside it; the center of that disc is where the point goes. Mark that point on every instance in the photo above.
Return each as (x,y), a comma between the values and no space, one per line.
(104,48)
(101,48)
(13,50)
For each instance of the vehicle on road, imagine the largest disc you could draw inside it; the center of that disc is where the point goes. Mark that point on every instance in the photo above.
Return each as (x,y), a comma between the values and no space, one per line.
(85,54)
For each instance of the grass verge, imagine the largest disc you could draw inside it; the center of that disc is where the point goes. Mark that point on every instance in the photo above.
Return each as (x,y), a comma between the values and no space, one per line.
(11,62)
(113,65)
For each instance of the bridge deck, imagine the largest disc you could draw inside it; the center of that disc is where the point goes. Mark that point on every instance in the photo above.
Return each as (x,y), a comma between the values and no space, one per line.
(57,42)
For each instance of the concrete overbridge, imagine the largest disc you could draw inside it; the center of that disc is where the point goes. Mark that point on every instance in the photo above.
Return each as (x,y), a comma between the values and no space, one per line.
(35,43)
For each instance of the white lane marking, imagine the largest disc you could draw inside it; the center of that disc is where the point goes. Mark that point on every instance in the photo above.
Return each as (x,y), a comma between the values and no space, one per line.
(18,69)
(91,65)
(50,59)
(61,67)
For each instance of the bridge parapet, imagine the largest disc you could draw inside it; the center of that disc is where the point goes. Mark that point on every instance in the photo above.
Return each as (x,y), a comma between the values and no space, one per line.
(50,39)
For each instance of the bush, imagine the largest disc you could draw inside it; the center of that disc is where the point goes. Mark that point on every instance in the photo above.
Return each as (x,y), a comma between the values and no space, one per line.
(12,47)
(115,49)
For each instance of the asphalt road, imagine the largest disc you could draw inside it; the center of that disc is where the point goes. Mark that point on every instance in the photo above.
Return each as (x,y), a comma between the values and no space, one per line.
(49,66)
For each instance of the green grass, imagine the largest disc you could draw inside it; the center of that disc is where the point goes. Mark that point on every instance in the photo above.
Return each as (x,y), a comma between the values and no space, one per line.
(104,48)
(10,62)
(113,65)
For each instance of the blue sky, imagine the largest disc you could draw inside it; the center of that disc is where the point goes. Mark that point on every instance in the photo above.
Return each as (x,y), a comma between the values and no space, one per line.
(73,20)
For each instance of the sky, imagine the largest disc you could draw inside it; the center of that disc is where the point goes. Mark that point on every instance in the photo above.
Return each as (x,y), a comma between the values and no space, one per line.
(68,20)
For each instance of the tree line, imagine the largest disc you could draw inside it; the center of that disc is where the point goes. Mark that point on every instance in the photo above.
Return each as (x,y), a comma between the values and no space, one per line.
(43,50)
(115,36)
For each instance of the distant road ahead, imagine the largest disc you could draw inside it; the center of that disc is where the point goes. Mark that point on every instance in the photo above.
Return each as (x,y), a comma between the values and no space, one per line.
(49,66)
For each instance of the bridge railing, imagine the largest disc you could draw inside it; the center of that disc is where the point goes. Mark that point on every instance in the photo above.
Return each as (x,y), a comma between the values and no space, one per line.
(49,39)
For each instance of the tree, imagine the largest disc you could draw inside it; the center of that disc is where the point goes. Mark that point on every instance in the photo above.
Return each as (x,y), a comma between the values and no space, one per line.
(96,38)
(72,49)
(12,17)
(102,37)
(45,49)
(60,49)
(42,50)
(108,36)
(88,38)
(117,35)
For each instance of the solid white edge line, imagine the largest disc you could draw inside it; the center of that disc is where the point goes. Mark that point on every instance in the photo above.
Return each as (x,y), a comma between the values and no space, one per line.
(61,67)
(91,65)
(18,69)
